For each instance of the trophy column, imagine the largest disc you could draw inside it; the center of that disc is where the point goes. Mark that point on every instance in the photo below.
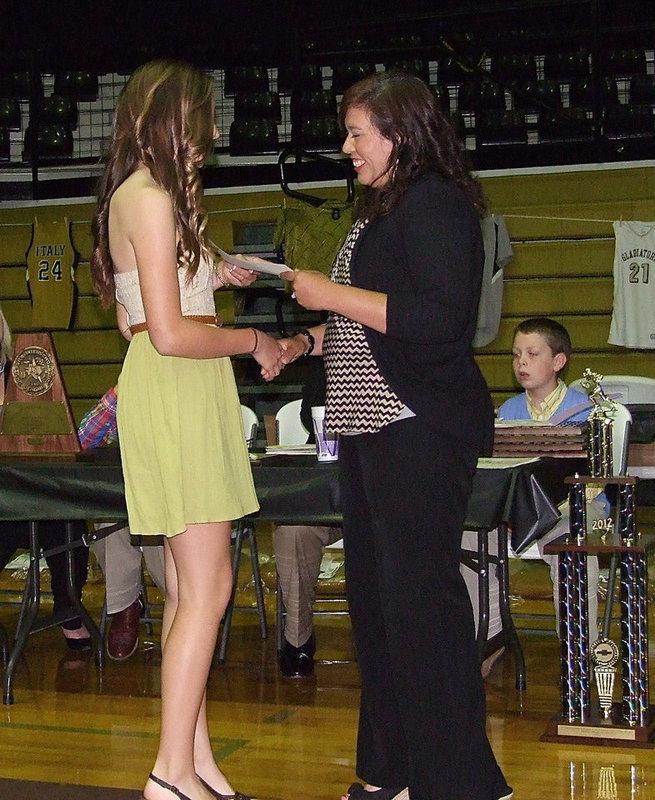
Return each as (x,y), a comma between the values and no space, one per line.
(574,616)
(634,616)
(632,720)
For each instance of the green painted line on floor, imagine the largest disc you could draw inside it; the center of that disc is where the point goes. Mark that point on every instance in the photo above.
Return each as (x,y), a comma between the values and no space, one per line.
(280,716)
(221,746)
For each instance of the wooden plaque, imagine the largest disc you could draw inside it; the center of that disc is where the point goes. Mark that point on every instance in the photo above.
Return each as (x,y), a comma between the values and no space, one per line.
(36,418)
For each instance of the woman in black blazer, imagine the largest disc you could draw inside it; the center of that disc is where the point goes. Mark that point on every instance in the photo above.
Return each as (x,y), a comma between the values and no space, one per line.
(414,414)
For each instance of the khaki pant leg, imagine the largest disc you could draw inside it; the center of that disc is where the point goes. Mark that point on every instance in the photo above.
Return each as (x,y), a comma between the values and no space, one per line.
(120,562)
(154,558)
(298,552)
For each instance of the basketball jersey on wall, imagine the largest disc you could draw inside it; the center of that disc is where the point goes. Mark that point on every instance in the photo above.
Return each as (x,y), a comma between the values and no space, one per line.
(50,278)
(633,315)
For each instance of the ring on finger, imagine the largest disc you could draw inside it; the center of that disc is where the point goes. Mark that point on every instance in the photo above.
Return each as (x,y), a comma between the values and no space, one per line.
(232,268)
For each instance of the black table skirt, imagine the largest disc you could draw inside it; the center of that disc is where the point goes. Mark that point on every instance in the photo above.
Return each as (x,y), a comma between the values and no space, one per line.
(290,489)
(642,428)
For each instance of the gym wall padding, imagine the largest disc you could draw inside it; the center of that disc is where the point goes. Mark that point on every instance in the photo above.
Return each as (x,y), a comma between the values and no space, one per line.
(561,231)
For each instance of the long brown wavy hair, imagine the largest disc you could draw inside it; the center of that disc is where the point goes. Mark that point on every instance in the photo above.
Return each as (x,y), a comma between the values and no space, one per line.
(406,112)
(164,118)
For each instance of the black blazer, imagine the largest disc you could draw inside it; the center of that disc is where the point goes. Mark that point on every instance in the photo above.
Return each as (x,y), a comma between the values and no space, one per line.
(427,257)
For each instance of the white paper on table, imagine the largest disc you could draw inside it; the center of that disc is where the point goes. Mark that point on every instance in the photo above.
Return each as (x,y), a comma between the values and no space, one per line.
(329,567)
(259,266)
(291,449)
(503,463)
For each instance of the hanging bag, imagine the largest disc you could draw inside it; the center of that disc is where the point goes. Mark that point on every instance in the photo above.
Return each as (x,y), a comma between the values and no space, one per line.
(310,229)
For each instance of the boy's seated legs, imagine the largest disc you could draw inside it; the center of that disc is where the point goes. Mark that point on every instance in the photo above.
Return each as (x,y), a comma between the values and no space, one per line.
(298,553)
(120,561)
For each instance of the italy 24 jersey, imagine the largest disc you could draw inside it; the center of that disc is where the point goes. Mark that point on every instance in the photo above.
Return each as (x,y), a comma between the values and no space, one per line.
(50,263)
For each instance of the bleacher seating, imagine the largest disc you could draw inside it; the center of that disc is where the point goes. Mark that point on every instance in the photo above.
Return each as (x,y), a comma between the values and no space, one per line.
(535,96)
(299,77)
(82,86)
(50,142)
(472,62)
(4,144)
(566,66)
(17,85)
(346,73)
(477,94)
(258,105)
(10,113)
(253,137)
(247,78)
(57,110)
(581,92)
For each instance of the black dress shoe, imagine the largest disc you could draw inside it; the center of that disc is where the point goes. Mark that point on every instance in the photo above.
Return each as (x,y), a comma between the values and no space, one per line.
(298,662)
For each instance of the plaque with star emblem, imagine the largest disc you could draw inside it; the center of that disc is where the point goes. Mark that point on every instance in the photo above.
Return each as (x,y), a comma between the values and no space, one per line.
(36,417)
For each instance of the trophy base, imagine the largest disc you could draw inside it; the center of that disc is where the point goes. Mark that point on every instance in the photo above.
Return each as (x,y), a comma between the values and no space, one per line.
(612,731)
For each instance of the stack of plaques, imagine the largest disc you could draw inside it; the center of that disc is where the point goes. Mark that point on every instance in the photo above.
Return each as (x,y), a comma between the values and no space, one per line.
(530,439)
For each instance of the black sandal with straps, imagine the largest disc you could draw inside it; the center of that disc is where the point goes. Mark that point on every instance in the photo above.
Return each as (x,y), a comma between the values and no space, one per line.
(173,789)
(218,796)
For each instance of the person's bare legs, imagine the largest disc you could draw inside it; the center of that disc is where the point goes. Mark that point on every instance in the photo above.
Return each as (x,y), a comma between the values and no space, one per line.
(204,762)
(198,583)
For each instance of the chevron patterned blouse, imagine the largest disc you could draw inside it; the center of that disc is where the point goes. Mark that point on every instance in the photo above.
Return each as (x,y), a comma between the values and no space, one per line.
(358,398)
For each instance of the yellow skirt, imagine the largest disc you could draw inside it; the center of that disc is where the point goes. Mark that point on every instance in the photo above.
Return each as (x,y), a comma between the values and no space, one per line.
(182,443)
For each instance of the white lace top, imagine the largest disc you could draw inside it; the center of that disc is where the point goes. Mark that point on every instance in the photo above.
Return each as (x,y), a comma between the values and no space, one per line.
(196,297)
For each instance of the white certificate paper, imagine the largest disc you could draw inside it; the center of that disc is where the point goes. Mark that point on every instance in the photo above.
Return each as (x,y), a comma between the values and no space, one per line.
(258,266)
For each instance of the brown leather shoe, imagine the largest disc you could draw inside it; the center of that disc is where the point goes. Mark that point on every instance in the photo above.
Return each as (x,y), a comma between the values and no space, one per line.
(123,637)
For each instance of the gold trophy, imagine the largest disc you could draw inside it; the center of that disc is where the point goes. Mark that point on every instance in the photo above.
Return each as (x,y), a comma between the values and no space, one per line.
(600,425)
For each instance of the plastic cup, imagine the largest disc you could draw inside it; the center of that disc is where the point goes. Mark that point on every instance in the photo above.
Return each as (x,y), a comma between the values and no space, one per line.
(327,444)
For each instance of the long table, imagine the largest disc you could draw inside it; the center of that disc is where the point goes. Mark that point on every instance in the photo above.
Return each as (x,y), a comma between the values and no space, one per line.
(519,499)
(289,487)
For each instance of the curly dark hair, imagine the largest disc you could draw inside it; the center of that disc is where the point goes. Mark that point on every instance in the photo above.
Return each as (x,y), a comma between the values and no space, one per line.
(406,112)
(164,118)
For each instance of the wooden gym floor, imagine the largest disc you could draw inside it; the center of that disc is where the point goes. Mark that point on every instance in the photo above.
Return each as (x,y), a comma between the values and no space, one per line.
(276,738)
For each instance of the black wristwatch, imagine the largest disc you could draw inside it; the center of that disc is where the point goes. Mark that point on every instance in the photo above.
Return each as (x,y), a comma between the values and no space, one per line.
(310,340)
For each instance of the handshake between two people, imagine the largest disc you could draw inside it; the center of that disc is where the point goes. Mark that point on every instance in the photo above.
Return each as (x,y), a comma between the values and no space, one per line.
(310,288)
